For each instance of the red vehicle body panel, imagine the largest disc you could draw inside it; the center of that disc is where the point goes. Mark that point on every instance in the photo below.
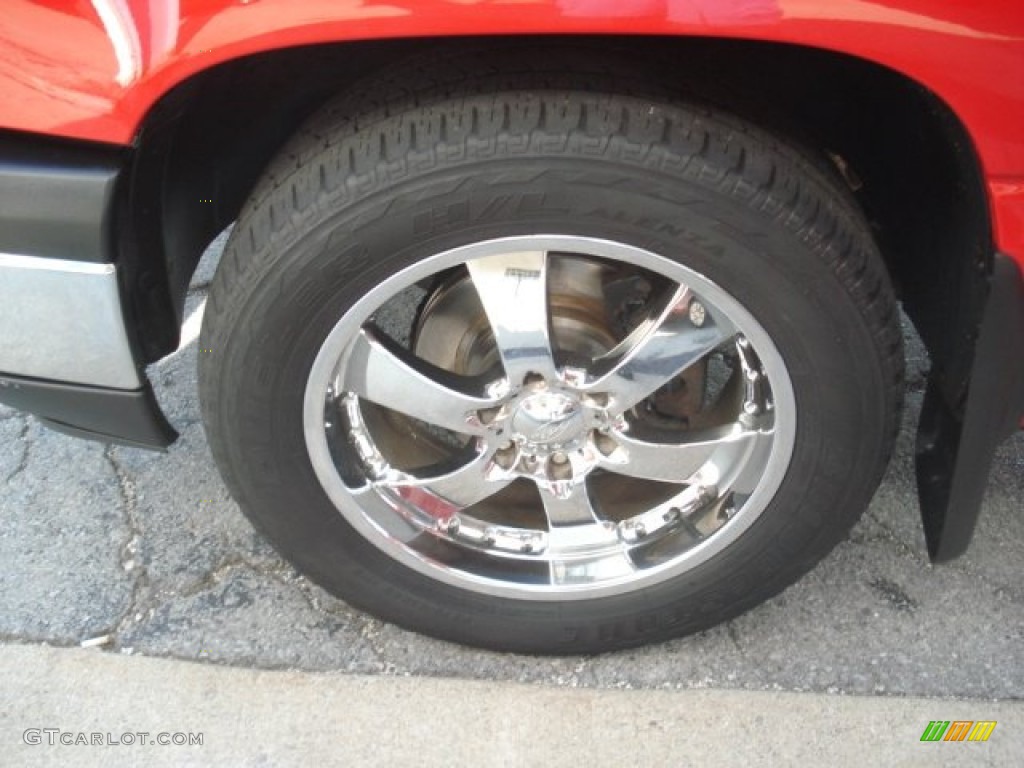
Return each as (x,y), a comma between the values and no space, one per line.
(91,69)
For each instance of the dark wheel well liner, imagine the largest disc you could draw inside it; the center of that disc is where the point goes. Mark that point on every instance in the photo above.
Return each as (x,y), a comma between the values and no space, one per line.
(915,173)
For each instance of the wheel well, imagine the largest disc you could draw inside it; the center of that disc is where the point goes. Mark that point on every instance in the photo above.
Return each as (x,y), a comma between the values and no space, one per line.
(904,154)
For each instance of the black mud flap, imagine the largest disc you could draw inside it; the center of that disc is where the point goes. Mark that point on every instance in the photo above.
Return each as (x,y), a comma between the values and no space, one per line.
(957,441)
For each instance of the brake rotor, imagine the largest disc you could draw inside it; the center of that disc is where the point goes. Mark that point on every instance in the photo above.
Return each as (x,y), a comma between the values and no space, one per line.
(452,330)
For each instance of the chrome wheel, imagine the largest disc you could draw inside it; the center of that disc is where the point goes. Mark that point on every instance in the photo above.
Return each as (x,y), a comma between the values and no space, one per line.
(561,417)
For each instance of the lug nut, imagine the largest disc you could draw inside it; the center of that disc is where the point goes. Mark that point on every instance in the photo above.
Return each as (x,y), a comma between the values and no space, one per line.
(533,378)
(505,456)
(559,467)
(488,415)
(497,389)
(698,315)
(604,442)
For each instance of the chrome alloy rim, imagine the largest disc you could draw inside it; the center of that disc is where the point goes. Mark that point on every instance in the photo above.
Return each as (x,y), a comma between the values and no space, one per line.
(563,417)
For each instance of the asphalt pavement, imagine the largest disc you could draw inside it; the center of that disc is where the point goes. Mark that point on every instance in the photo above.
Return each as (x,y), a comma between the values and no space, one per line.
(145,553)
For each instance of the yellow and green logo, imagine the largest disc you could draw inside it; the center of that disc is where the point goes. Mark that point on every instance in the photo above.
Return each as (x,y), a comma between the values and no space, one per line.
(958,730)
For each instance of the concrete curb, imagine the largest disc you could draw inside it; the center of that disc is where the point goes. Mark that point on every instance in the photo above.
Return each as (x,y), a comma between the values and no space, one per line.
(251,717)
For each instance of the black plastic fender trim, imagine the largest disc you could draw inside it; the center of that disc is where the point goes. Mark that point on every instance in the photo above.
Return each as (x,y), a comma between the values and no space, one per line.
(56,197)
(127,417)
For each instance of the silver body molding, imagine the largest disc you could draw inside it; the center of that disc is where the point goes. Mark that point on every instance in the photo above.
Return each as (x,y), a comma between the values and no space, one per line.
(61,320)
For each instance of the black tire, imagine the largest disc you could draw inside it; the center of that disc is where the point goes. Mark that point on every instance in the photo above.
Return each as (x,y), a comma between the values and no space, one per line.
(363,193)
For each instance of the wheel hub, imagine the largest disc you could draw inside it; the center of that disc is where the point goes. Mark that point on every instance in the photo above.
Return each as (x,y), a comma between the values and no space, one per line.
(548,420)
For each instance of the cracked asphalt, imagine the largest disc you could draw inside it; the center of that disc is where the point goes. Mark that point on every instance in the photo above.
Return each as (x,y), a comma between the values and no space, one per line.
(149,552)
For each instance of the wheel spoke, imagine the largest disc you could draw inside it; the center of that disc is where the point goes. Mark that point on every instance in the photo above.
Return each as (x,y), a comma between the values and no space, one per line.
(674,462)
(567,504)
(513,290)
(656,351)
(582,547)
(448,491)
(382,372)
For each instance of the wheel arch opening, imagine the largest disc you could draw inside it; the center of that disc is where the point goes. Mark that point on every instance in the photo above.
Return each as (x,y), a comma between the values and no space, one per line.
(906,156)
